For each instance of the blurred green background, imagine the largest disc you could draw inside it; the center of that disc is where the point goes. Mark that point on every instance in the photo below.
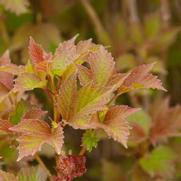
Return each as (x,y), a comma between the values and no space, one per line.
(136,32)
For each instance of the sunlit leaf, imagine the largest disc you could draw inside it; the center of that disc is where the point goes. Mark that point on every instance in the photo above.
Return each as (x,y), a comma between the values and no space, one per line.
(102,65)
(5,78)
(141,78)
(64,56)
(34,133)
(29,81)
(38,56)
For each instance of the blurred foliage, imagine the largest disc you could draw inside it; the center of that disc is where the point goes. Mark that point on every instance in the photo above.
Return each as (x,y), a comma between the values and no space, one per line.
(136,32)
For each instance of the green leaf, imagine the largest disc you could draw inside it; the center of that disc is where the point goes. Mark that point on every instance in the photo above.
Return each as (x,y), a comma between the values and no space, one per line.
(158,161)
(20,110)
(29,81)
(90,140)
(142,119)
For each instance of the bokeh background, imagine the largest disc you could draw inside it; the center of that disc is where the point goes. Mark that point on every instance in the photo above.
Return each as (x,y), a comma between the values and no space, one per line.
(136,32)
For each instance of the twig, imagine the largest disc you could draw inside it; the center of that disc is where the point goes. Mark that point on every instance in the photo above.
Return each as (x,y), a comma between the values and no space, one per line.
(82,151)
(133,11)
(101,32)
(165,12)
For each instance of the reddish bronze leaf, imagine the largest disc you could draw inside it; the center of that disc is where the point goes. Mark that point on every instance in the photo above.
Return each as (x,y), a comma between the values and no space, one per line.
(39,57)
(140,77)
(166,121)
(33,133)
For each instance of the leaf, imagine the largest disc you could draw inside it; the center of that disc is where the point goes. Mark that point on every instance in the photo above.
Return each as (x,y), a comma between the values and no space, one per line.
(166,121)
(4,126)
(90,140)
(64,56)
(32,174)
(5,176)
(78,106)
(68,91)
(6,78)
(40,59)
(34,133)
(141,78)
(102,66)
(35,113)
(115,123)
(83,48)
(84,75)
(28,81)
(140,122)
(20,110)
(158,161)
(88,100)
(16,6)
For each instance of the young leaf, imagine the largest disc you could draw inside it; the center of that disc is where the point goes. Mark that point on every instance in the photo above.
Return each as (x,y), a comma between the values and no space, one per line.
(88,100)
(84,75)
(90,140)
(158,161)
(64,56)
(39,57)
(34,133)
(102,66)
(28,81)
(115,123)
(166,121)
(20,110)
(6,78)
(4,126)
(141,78)
(35,113)
(68,91)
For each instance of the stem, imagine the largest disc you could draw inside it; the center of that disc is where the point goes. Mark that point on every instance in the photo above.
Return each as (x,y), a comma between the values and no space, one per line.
(132,5)
(39,160)
(82,151)
(100,31)
(165,12)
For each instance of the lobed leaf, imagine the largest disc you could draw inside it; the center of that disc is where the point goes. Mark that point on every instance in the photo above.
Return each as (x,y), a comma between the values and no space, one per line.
(34,133)
(115,123)
(28,81)
(166,121)
(4,126)
(141,78)
(102,65)
(5,78)
(90,140)
(64,56)
(40,59)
